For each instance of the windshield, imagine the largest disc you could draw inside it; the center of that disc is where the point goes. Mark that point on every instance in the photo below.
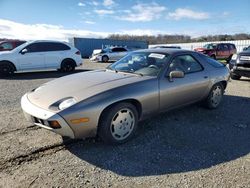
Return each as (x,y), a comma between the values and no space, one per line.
(142,63)
(210,46)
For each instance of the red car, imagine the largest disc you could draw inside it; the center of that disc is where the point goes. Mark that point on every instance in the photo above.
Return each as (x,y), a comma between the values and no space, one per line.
(219,51)
(8,45)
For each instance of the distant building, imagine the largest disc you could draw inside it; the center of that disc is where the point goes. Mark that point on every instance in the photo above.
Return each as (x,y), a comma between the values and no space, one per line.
(87,45)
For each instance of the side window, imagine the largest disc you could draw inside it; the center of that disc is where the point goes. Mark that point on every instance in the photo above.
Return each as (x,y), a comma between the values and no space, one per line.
(33,48)
(225,47)
(56,46)
(122,50)
(185,63)
(7,46)
(232,46)
(119,50)
(115,50)
(220,47)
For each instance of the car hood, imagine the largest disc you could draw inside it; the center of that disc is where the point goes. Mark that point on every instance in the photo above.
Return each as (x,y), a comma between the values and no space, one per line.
(80,86)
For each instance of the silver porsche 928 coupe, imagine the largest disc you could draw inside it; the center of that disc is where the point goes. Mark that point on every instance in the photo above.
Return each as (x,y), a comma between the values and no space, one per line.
(109,103)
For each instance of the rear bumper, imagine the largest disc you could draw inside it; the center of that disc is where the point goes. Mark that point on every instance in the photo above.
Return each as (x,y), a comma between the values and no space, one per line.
(40,117)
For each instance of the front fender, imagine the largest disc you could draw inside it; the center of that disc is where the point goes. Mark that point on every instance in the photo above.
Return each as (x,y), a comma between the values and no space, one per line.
(146,93)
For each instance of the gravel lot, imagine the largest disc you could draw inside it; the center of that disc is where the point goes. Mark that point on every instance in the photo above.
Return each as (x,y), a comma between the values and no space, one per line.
(189,147)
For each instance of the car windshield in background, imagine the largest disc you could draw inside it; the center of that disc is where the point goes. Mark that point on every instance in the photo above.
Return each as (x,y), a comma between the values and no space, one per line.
(142,63)
(210,46)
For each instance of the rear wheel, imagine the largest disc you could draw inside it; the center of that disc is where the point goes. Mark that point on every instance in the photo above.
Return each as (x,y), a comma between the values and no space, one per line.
(215,96)
(105,59)
(235,76)
(118,124)
(6,69)
(67,66)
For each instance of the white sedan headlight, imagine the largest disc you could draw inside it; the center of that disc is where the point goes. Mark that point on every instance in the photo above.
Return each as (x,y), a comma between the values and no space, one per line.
(234,57)
(67,103)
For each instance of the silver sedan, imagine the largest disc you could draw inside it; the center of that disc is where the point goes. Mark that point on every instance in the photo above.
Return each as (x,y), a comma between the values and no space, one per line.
(109,103)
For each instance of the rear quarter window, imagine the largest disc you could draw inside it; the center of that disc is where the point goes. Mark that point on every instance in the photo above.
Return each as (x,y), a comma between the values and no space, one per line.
(212,61)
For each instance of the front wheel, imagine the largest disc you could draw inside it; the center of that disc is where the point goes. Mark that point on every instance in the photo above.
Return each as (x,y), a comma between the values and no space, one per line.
(118,124)
(215,96)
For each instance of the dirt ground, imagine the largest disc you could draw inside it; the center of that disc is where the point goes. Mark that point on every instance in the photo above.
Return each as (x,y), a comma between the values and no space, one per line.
(189,147)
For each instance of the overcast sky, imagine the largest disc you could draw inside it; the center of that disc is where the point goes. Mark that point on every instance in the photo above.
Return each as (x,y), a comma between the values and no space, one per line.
(61,19)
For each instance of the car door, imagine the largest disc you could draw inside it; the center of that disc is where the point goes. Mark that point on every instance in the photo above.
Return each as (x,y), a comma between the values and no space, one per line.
(181,91)
(55,54)
(32,57)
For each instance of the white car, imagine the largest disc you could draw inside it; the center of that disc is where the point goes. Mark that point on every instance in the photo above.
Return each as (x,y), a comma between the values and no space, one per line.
(40,55)
(109,54)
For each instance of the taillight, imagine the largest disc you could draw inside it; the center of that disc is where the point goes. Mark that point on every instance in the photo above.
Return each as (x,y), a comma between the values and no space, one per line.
(78,53)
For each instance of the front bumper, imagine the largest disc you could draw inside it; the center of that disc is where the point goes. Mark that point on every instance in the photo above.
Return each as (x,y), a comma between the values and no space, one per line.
(241,69)
(40,117)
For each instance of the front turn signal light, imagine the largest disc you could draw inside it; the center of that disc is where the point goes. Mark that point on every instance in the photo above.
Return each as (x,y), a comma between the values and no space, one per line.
(54,124)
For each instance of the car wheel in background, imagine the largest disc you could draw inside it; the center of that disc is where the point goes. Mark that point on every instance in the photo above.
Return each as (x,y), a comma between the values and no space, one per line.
(215,96)
(105,59)
(6,69)
(118,123)
(235,76)
(67,66)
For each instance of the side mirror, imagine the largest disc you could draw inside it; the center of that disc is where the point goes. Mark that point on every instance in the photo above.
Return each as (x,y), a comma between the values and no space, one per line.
(175,74)
(23,51)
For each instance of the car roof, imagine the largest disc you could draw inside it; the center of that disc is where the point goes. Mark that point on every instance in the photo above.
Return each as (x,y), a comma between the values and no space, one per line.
(170,51)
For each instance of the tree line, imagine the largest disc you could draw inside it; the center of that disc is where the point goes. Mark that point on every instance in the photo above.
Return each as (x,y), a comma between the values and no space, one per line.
(168,39)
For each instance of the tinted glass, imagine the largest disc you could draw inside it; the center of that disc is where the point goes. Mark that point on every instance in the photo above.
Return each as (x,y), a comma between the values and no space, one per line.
(53,46)
(232,46)
(6,46)
(118,50)
(46,46)
(35,47)
(220,47)
(185,63)
(225,47)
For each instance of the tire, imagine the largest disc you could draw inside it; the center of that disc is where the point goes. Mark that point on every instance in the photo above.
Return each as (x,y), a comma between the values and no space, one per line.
(105,59)
(67,66)
(6,69)
(215,96)
(113,129)
(235,76)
